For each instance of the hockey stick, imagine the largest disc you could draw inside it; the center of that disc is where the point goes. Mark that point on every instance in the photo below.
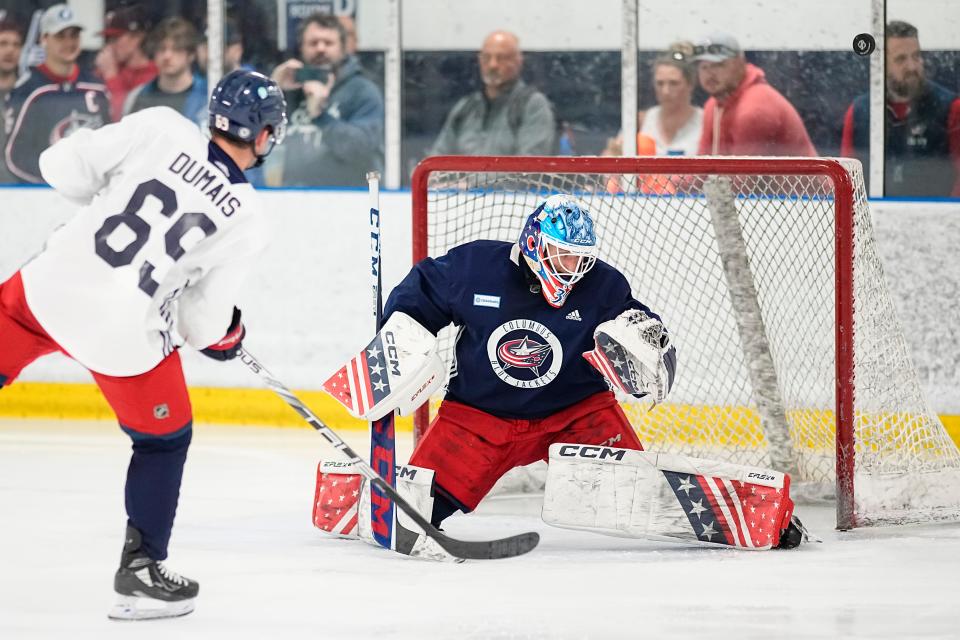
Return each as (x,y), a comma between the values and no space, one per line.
(466,549)
(383,451)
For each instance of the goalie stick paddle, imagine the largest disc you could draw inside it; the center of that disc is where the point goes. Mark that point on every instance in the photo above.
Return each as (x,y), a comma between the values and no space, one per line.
(465,549)
(383,449)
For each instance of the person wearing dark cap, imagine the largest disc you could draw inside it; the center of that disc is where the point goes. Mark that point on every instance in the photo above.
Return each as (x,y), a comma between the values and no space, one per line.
(11,43)
(54,99)
(744,115)
(122,63)
(232,50)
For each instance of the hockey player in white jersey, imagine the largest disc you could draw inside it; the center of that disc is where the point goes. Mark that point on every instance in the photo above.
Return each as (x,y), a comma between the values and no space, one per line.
(153,261)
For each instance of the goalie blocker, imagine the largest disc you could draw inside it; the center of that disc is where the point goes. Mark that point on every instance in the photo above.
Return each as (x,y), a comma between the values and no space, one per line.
(658,496)
(400,369)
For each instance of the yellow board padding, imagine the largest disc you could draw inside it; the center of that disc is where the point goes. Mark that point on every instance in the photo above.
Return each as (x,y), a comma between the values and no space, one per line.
(211,405)
(736,426)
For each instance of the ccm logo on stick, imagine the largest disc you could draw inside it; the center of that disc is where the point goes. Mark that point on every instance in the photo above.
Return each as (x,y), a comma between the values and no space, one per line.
(602,453)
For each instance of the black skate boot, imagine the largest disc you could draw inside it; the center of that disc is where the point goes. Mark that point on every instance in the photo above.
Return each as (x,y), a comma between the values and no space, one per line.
(793,535)
(146,589)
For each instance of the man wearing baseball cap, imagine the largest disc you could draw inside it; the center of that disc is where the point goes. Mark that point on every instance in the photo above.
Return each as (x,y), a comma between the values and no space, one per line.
(53,99)
(744,115)
(122,63)
(11,43)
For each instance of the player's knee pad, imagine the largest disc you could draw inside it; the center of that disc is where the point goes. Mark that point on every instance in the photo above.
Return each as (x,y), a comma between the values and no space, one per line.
(660,496)
(341,505)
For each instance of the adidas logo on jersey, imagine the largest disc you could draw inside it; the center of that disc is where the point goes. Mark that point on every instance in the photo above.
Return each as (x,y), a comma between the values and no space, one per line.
(574,315)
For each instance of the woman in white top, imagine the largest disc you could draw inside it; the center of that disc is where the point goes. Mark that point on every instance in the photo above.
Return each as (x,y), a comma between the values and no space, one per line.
(674,124)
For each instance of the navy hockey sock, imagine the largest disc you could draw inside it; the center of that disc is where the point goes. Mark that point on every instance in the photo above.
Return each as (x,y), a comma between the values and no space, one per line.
(153,487)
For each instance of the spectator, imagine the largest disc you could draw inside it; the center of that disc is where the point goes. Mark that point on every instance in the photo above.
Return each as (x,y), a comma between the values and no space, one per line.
(921,124)
(350,26)
(507,117)
(674,124)
(744,115)
(11,42)
(336,127)
(54,99)
(122,63)
(646,146)
(232,50)
(173,44)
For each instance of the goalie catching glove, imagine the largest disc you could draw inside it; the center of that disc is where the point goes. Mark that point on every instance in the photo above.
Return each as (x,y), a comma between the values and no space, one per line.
(633,351)
(399,369)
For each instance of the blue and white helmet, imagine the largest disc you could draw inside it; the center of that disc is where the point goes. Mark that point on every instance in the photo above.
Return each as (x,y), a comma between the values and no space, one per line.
(559,244)
(244,103)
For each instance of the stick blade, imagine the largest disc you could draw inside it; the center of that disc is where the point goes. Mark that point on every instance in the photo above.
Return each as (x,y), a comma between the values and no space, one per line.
(490,549)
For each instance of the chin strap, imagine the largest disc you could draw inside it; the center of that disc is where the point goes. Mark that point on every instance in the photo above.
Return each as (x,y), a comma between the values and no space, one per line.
(555,293)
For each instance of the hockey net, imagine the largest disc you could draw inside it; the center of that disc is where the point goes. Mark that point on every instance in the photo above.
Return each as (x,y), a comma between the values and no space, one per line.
(790,352)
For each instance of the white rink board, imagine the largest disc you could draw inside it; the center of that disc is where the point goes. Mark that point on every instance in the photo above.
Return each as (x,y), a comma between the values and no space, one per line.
(308,307)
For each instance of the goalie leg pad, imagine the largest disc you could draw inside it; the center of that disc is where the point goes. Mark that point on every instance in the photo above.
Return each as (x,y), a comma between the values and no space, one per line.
(660,496)
(341,506)
(336,500)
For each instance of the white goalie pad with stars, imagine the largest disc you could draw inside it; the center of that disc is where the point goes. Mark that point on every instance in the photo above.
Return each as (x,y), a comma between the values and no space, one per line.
(341,507)
(658,496)
(400,369)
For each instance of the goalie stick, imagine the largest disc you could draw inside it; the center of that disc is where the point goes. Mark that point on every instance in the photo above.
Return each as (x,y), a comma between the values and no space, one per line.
(465,549)
(383,450)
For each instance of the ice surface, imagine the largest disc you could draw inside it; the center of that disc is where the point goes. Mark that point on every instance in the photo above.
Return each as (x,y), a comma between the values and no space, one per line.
(243,530)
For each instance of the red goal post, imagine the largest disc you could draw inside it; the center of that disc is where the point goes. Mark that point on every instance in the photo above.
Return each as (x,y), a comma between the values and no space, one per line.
(765,270)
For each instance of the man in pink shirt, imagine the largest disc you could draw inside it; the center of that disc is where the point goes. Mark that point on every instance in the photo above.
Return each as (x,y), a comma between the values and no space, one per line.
(122,62)
(744,115)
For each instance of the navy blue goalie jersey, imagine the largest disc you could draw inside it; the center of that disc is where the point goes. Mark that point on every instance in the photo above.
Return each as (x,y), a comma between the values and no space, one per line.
(516,356)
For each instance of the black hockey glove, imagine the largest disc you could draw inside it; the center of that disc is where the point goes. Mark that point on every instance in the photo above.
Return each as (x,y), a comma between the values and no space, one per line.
(227,347)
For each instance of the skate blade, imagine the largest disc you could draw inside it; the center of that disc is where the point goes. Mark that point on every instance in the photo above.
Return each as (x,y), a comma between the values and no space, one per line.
(143,608)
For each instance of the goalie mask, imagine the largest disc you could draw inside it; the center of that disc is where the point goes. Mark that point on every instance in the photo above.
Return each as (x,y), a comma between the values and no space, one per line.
(560,246)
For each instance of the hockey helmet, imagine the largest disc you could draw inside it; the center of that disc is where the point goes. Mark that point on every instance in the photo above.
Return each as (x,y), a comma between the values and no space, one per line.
(559,244)
(244,103)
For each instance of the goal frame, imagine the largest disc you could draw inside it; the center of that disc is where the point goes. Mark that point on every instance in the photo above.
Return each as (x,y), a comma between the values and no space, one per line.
(843,192)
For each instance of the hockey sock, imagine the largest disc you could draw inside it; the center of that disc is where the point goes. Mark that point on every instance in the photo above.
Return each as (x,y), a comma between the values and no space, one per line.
(443,507)
(153,488)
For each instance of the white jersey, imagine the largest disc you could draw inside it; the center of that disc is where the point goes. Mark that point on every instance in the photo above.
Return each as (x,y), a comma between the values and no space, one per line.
(685,142)
(156,256)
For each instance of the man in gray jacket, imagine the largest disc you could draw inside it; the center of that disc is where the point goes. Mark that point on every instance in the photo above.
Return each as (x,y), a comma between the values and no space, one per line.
(508,117)
(335,134)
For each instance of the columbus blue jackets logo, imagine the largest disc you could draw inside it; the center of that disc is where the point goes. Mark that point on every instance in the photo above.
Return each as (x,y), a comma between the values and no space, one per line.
(73,123)
(524,354)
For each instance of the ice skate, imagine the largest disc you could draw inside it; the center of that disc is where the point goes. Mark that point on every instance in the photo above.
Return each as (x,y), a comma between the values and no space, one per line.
(146,589)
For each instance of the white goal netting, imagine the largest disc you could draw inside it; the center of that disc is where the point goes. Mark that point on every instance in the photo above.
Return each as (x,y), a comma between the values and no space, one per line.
(746,261)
